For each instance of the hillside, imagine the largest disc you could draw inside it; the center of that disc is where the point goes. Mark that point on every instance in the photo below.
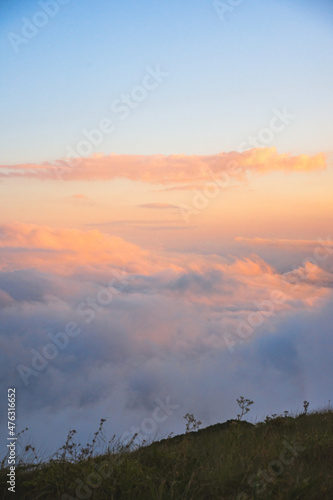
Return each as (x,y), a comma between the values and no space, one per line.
(282,458)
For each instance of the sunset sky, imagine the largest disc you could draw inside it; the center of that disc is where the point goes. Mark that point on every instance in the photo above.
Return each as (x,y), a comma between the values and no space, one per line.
(166,179)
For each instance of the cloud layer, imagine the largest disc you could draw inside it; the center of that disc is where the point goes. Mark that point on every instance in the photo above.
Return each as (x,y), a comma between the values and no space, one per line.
(199,329)
(173,169)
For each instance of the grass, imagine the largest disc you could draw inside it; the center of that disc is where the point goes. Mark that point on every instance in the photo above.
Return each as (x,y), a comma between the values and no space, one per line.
(283,458)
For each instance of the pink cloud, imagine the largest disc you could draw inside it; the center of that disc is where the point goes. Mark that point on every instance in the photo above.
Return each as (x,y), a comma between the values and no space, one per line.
(80,197)
(176,169)
(214,284)
(159,206)
(63,251)
(285,242)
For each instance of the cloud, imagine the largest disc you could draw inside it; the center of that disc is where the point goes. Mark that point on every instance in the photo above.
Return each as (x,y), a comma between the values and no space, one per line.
(311,273)
(290,253)
(64,251)
(285,242)
(80,197)
(173,169)
(163,334)
(159,206)
(142,224)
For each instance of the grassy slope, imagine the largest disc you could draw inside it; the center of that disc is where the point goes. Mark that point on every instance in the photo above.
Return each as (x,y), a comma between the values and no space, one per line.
(226,461)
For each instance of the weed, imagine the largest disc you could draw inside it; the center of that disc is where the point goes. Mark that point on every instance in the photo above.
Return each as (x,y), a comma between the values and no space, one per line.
(244,406)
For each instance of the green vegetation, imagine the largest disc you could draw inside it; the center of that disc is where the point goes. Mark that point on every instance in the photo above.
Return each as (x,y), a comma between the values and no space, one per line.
(283,458)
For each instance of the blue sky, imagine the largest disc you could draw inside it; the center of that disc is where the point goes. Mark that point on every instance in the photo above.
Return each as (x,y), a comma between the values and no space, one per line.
(225,78)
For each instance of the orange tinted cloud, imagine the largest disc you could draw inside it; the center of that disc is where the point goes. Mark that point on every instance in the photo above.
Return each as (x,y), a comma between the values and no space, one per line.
(173,169)
(159,206)
(283,242)
(212,282)
(80,197)
(201,295)
(63,251)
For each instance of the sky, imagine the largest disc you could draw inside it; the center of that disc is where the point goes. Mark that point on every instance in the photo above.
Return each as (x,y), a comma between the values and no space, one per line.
(166,212)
